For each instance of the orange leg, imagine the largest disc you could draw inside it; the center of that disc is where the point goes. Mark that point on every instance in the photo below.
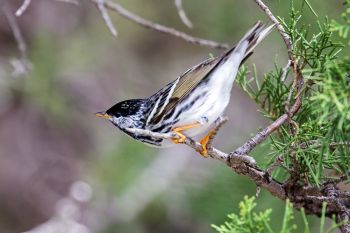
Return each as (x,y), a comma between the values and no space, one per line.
(204,141)
(178,131)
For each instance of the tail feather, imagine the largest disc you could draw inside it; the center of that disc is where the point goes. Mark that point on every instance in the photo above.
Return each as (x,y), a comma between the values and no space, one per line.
(253,37)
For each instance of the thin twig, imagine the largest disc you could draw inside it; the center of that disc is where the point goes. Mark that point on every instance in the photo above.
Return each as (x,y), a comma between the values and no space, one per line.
(101,7)
(316,144)
(22,66)
(241,164)
(219,155)
(244,165)
(299,80)
(182,14)
(278,161)
(263,134)
(218,124)
(257,191)
(214,153)
(74,2)
(285,71)
(158,27)
(22,8)
(289,98)
(189,141)
(279,27)
(295,67)
(22,47)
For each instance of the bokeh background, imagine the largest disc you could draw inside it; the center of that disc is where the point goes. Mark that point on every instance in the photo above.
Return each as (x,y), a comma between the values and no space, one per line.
(63,168)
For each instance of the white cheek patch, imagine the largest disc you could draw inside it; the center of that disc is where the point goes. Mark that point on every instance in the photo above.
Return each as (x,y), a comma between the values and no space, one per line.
(114,120)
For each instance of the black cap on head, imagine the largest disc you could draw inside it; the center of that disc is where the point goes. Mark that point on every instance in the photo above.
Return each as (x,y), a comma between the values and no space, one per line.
(125,108)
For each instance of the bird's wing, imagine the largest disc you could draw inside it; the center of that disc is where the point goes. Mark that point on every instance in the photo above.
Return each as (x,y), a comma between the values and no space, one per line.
(166,99)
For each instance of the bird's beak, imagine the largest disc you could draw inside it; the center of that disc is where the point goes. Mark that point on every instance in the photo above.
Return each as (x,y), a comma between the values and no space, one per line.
(103,115)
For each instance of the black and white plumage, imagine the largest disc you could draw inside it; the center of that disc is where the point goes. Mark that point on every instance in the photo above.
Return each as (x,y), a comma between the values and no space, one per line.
(200,95)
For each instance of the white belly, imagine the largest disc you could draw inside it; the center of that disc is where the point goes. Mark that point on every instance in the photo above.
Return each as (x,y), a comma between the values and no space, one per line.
(212,105)
(205,111)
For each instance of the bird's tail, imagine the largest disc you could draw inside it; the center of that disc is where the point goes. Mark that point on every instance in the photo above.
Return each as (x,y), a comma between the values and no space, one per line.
(256,35)
(249,41)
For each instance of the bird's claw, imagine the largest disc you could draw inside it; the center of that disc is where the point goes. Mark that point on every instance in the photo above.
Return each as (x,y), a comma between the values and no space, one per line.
(179,139)
(178,131)
(204,144)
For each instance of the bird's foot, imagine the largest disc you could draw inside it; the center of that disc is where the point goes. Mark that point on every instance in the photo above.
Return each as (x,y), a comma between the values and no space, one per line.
(181,138)
(178,131)
(204,142)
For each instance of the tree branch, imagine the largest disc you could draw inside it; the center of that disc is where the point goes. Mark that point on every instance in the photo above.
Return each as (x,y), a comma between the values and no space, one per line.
(158,27)
(241,164)
(279,27)
(21,66)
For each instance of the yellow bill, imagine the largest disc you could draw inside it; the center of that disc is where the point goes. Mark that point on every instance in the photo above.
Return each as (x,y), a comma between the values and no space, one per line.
(103,115)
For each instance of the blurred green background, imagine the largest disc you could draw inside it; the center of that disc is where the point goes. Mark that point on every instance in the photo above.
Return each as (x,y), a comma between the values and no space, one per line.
(62,165)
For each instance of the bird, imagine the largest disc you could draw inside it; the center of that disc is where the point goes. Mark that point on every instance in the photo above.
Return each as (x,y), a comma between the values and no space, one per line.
(189,105)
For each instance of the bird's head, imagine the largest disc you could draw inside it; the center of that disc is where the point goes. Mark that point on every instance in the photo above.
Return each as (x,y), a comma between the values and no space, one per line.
(125,114)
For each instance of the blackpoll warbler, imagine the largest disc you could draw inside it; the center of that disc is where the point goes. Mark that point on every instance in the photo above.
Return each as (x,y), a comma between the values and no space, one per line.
(189,105)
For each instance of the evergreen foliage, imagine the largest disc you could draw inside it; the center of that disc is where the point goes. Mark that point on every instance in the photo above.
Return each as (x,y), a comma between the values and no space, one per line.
(314,146)
(317,138)
(343,28)
(249,221)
